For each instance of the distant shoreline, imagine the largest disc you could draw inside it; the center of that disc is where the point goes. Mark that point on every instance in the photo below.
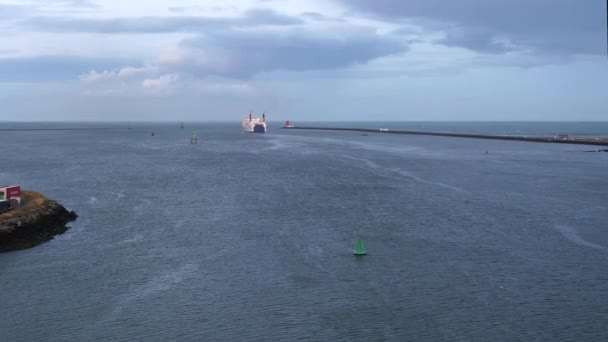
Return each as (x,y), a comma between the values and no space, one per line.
(56,129)
(577,141)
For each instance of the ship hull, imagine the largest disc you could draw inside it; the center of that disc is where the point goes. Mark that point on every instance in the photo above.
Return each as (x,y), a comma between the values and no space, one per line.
(259,129)
(254,125)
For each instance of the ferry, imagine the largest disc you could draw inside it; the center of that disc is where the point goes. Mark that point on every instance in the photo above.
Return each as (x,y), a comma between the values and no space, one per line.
(251,124)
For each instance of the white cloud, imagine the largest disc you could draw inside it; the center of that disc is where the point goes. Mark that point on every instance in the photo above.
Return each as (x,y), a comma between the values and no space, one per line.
(109,83)
(133,72)
(163,85)
(223,88)
(93,76)
(126,73)
(124,81)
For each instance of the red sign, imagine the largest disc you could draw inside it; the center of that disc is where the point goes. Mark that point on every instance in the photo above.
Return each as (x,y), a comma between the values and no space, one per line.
(13,192)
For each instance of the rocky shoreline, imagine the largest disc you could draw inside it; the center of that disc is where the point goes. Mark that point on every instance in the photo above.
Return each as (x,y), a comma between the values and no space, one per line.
(38,222)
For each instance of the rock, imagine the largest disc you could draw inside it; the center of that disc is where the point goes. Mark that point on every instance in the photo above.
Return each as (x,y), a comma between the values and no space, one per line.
(37,225)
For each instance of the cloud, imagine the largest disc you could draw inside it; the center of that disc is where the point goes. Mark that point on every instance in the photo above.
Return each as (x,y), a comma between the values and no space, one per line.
(54,68)
(124,73)
(545,26)
(320,17)
(480,40)
(124,81)
(259,16)
(241,49)
(242,54)
(253,17)
(93,76)
(225,63)
(163,85)
(221,88)
(149,81)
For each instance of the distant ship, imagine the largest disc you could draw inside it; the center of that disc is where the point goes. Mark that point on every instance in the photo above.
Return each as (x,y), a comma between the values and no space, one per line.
(251,124)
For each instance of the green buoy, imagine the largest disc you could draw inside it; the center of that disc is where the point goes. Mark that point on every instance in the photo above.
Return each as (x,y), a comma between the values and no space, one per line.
(359,248)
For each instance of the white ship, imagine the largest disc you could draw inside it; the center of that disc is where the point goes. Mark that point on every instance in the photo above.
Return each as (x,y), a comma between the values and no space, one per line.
(251,124)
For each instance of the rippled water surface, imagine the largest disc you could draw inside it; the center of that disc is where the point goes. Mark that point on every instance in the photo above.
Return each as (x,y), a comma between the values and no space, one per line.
(249,237)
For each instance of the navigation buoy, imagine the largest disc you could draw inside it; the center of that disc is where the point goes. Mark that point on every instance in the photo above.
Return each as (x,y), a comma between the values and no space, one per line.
(359,248)
(194,138)
(152,133)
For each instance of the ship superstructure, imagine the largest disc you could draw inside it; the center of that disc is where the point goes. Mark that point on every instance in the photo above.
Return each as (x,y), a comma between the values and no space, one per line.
(252,124)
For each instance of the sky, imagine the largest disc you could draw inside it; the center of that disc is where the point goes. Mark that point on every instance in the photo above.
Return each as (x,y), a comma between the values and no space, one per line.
(333,60)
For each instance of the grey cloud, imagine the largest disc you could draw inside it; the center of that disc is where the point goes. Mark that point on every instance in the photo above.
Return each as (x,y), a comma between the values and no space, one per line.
(313,15)
(267,17)
(54,68)
(243,54)
(158,24)
(478,40)
(320,17)
(557,26)
(227,47)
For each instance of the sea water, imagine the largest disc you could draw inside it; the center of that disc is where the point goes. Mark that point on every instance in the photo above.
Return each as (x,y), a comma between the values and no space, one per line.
(246,237)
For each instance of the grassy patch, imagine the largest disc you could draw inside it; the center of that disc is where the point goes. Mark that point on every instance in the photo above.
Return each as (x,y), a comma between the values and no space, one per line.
(30,201)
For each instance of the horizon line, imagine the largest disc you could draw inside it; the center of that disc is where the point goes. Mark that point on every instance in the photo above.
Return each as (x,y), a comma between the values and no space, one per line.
(294,121)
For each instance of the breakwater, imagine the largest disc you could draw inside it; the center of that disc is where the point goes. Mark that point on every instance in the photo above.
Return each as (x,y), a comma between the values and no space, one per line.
(37,220)
(558,140)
